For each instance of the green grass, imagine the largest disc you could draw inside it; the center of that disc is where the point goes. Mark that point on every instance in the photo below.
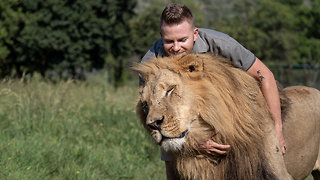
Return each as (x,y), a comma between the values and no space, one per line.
(73,130)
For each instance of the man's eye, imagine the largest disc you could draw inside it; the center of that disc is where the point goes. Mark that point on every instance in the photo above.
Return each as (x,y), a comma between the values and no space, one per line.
(183,40)
(168,42)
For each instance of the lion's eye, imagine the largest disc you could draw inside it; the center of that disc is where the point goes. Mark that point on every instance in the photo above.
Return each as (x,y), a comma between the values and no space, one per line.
(170,89)
(145,107)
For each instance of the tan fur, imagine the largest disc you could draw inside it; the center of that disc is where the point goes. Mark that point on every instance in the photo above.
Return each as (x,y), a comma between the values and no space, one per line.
(202,93)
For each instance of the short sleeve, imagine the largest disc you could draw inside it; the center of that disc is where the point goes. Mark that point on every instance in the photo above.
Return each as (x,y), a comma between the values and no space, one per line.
(222,44)
(148,55)
(155,51)
(240,56)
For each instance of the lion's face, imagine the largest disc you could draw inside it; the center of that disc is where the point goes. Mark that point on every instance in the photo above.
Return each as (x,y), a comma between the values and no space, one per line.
(171,100)
(169,109)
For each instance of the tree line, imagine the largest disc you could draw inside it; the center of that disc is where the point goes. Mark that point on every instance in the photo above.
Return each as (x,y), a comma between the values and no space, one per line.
(69,38)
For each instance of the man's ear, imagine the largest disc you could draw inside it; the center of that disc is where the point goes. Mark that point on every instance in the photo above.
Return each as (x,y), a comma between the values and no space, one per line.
(195,34)
(191,63)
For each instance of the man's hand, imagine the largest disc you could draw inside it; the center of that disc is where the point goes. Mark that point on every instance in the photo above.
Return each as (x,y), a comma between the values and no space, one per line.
(280,137)
(210,146)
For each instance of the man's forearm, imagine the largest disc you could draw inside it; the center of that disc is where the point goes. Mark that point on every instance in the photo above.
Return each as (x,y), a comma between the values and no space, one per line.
(270,91)
(271,94)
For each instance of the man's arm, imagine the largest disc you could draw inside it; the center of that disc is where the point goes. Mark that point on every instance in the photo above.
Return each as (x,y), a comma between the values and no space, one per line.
(271,94)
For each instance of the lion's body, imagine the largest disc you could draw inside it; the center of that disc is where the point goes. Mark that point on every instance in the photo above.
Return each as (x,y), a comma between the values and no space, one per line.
(302,132)
(185,99)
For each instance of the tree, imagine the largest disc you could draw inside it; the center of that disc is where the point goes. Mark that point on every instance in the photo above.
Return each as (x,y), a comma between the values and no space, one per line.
(278,32)
(11,18)
(145,27)
(59,38)
(309,40)
(267,28)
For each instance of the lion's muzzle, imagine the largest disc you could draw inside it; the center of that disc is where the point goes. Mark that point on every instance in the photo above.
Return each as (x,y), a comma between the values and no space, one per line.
(173,143)
(182,135)
(156,123)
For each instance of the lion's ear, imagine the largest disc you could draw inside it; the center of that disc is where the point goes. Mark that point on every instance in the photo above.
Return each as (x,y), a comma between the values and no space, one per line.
(141,70)
(191,63)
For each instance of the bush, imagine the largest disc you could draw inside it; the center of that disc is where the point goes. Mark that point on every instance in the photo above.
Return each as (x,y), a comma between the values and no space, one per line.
(59,38)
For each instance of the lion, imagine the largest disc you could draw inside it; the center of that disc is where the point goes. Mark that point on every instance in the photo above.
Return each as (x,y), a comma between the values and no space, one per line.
(184,99)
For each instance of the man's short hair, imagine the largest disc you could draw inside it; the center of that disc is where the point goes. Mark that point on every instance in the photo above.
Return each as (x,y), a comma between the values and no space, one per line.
(175,14)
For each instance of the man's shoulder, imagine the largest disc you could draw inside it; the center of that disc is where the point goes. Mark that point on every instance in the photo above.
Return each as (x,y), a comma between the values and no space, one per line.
(158,42)
(155,51)
(210,33)
(157,47)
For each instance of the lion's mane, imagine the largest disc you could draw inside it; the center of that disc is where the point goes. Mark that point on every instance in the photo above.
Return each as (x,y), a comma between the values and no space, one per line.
(230,102)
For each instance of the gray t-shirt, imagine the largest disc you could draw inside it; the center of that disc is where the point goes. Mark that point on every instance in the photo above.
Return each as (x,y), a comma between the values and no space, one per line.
(215,42)
(209,41)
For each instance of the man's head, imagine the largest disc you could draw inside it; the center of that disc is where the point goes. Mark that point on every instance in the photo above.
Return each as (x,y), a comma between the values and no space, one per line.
(177,29)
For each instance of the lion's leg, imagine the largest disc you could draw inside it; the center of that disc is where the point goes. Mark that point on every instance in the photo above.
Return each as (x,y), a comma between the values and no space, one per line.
(316,174)
(316,169)
(274,154)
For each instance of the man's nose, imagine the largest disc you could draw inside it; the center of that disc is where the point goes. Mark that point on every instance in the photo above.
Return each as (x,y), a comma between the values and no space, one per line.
(176,47)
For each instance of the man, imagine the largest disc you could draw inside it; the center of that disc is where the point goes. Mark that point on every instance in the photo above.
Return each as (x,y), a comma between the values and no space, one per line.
(179,35)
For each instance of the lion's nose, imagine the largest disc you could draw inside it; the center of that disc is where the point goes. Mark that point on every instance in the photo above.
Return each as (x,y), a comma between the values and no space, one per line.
(155,125)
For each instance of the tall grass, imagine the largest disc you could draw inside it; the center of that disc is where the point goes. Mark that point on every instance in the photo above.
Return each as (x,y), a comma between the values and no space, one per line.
(73,130)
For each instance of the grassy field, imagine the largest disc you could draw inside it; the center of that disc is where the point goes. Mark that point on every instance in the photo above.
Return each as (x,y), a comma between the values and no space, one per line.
(73,130)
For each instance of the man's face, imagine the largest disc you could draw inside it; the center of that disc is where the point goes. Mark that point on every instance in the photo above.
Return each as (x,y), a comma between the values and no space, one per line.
(178,38)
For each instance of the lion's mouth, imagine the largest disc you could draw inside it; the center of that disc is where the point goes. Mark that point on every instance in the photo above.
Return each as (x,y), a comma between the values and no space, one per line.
(182,135)
(173,143)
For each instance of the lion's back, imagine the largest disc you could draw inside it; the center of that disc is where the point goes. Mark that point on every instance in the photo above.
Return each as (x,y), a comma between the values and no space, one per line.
(302,129)
(307,98)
